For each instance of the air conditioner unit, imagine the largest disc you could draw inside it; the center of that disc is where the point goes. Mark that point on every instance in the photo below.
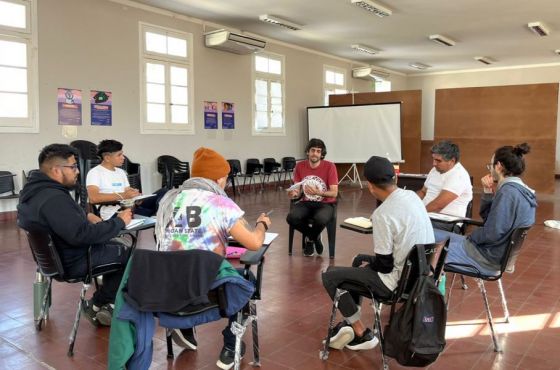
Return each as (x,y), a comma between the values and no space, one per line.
(368,73)
(233,42)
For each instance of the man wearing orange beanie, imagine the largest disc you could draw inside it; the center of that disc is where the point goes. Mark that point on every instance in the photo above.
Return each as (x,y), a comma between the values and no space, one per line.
(211,218)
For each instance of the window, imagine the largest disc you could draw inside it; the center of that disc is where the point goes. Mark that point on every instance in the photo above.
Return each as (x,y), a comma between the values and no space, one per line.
(382,86)
(268,95)
(166,75)
(334,82)
(18,66)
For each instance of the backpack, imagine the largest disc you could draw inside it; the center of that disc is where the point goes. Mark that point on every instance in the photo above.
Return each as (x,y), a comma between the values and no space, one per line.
(415,335)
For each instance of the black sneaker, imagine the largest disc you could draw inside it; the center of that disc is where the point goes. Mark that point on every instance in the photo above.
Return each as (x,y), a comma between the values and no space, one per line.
(226,360)
(184,338)
(89,313)
(342,334)
(319,246)
(104,315)
(309,248)
(366,341)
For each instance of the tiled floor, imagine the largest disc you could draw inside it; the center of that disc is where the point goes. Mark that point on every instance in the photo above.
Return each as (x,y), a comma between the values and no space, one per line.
(294,312)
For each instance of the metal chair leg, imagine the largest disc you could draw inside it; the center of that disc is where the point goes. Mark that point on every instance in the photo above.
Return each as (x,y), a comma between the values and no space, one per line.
(504,302)
(74,331)
(448,300)
(324,353)
(255,331)
(489,314)
(46,301)
(169,343)
(463,284)
(238,329)
(379,332)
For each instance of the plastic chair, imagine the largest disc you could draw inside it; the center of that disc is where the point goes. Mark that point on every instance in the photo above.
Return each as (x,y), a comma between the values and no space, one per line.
(173,171)
(234,172)
(253,167)
(435,256)
(507,264)
(87,151)
(7,187)
(49,265)
(133,173)
(288,165)
(270,168)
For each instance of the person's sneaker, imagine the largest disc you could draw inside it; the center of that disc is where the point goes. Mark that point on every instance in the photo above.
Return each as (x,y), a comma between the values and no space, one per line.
(184,338)
(89,313)
(227,355)
(342,334)
(309,248)
(366,341)
(319,246)
(104,315)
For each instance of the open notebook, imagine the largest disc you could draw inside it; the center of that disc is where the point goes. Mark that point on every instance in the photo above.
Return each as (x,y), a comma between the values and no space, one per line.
(359,221)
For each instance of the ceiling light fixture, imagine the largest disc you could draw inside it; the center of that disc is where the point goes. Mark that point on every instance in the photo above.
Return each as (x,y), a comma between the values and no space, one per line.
(539,28)
(442,40)
(419,65)
(280,22)
(484,60)
(364,49)
(557,51)
(370,6)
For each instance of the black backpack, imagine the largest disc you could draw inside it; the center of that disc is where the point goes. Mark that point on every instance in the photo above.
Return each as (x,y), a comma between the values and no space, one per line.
(415,335)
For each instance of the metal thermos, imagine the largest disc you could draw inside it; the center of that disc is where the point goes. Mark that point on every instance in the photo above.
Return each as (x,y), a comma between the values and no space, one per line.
(39,291)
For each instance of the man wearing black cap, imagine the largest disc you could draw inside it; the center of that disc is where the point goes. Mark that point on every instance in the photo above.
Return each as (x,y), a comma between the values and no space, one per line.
(399,223)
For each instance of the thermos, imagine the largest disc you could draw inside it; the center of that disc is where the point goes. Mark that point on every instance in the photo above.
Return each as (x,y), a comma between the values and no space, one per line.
(39,291)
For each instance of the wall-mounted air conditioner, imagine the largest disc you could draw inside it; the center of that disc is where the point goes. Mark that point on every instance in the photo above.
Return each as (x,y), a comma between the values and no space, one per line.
(233,42)
(368,73)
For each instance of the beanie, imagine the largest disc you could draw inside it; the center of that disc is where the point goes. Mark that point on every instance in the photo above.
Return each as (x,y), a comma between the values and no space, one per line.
(209,164)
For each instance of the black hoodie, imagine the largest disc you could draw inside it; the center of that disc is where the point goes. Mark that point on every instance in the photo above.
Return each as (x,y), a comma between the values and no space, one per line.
(46,205)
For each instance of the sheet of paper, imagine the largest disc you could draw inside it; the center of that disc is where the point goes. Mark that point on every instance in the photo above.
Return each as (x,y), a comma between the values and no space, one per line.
(443,217)
(295,186)
(134,222)
(269,238)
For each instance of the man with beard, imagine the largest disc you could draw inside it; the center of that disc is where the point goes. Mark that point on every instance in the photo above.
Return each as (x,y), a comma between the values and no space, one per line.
(318,191)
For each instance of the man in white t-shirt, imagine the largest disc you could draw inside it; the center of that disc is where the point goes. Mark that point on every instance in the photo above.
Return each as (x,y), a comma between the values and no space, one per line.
(448,188)
(107,182)
(399,223)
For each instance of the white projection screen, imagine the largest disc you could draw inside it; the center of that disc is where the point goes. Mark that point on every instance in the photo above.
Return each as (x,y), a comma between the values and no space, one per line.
(353,133)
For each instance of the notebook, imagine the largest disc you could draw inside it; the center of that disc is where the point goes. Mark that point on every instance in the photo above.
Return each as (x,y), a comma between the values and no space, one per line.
(235,252)
(360,221)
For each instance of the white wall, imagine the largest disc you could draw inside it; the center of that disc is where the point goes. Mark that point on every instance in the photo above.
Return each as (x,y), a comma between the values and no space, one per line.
(496,77)
(93,45)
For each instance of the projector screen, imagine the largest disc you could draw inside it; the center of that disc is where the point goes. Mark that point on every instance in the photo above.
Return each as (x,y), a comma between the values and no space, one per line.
(354,133)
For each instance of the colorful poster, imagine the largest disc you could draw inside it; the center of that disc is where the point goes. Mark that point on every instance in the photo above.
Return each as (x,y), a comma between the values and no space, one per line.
(228,115)
(211,115)
(101,108)
(69,107)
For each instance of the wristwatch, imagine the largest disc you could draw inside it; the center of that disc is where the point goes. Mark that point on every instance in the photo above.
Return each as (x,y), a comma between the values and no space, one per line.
(264,224)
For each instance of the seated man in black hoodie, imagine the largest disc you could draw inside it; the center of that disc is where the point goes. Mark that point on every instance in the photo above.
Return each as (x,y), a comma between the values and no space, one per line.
(45,204)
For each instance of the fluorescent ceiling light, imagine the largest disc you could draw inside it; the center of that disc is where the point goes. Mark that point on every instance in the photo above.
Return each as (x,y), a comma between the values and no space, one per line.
(539,28)
(442,40)
(370,6)
(364,49)
(484,60)
(280,22)
(419,65)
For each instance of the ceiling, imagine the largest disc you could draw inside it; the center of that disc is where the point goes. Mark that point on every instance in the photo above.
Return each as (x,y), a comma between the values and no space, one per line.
(492,28)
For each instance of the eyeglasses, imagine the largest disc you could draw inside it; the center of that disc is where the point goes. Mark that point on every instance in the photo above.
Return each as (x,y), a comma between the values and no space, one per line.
(489,166)
(73,167)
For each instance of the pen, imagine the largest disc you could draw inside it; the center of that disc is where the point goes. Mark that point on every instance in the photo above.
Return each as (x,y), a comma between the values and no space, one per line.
(269,212)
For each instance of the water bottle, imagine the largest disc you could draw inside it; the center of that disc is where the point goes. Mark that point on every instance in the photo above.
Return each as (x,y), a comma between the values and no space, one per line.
(39,291)
(441,285)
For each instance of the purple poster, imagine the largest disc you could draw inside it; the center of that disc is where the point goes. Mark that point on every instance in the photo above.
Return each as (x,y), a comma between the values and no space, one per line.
(101,108)
(211,115)
(69,107)
(228,116)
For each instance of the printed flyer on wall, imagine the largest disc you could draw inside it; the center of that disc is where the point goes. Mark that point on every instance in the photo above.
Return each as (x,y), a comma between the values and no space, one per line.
(228,115)
(211,115)
(69,107)
(101,108)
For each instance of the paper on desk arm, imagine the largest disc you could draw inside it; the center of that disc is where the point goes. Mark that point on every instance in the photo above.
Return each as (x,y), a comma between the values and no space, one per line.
(134,222)
(359,221)
(443,217)
(130,202)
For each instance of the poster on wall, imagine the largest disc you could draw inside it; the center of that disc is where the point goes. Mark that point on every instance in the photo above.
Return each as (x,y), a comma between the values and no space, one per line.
(228,115)
(211,115)
(69,107)
(101,108)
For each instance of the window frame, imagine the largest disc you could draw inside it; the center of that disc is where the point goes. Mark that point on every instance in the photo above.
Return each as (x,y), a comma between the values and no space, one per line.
(327,87)
(168,61)
(27,36)
(269,78)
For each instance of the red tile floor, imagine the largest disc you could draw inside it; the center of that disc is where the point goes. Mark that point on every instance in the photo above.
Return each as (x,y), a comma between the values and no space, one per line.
(294,311)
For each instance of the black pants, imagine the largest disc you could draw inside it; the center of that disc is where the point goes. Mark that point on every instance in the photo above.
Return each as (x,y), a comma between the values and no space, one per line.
(302,212)
(360,276)
(149,206)
(101,254)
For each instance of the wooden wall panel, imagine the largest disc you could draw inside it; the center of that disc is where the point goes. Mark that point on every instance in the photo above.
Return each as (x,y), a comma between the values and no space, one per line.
(481,119)
(411,120)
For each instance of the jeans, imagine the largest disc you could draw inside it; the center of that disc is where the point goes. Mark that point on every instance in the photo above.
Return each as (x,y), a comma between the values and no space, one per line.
(302,212)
